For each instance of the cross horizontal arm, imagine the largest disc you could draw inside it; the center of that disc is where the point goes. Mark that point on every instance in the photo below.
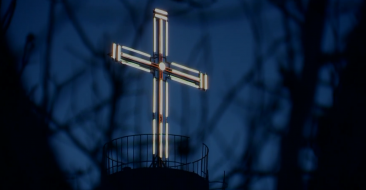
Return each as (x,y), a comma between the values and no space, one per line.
(197,79)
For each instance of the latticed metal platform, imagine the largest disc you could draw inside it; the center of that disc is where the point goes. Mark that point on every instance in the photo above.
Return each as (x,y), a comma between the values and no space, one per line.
(135,151)
(129,163)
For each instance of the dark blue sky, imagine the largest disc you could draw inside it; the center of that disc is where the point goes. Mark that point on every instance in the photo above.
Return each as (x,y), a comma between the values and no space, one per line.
(226,39)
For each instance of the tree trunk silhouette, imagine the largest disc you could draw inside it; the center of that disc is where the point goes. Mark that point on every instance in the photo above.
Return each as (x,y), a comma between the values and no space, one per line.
(302,95)
(27,161)
(341,138)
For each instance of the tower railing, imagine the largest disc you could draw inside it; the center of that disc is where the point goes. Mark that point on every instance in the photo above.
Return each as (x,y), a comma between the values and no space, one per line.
(136,151)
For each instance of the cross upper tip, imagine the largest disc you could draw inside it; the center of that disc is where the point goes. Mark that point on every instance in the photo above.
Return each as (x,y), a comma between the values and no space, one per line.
(160,11)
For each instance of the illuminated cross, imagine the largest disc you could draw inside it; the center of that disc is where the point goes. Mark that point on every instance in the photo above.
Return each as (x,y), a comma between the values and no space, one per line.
(158,65)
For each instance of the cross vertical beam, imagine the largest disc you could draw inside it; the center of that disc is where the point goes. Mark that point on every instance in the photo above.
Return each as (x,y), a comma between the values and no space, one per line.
(160,15)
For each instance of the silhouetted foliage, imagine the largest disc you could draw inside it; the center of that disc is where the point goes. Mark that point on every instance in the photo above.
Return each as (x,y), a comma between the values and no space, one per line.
(333,147)
(27,161)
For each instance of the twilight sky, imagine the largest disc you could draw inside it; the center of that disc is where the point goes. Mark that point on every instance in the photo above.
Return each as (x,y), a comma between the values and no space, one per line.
(239,44)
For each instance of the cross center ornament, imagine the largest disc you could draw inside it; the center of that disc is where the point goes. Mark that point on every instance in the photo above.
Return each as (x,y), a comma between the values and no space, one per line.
(158,65)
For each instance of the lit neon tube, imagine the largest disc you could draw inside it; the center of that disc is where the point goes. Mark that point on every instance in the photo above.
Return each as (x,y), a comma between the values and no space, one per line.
(114,51)
(154,23)
(166,38)
(184,82)
(166,140)
(185,75)
(154,92)
(160,141)
(161,98)
(161,17)
(118,53)
(166,99)
(184,67)
(206,82)
(154,134)
(201,81)
(136,58)
(135,65)
(161,12)
(136,51)
(160,36)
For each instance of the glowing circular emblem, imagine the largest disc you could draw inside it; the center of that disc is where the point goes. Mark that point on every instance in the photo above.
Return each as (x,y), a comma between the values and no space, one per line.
(162,66)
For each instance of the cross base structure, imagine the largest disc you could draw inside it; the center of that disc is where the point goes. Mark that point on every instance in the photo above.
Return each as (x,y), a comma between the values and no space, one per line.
(127,164)
(131,162)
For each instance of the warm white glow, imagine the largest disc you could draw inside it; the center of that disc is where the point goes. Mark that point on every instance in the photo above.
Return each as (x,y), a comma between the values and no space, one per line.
(201,81)
(161,97)
(161,11)
(161,17)
(161,36)
(166,140)
(135,65)
(154,92)
(154,134)
(183,67)
(206,82)
(118,53)
(166,38)
(185,75)
(161,140)
(184,82)
(154,21)
(162,66)
(136,58)
(166,99)
(114,51)
(136,51)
